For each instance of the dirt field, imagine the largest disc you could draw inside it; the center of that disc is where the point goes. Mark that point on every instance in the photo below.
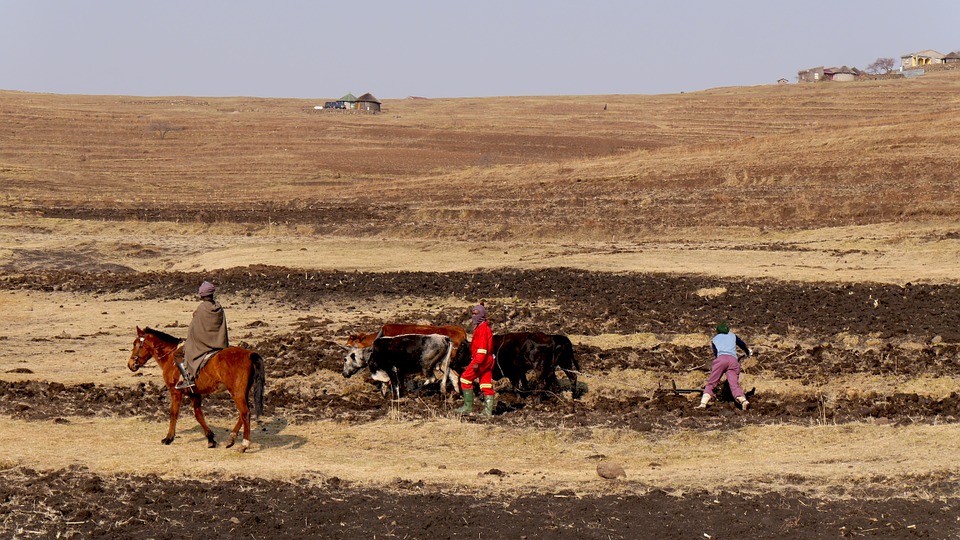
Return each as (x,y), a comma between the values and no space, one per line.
(819,223)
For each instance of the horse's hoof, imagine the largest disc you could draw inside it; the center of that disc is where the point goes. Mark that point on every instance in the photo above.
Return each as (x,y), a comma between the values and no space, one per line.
(230,442)
(211,444)
(242,449)
(166,440)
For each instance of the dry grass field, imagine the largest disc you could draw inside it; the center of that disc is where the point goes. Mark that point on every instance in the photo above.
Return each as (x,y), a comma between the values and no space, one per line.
(820,219)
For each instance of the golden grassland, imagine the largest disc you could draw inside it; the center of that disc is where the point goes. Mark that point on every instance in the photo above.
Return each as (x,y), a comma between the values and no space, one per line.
(823,182)
(778,157)
(823,460)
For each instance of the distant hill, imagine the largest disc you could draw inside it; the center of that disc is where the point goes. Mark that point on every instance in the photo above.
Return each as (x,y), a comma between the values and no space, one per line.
(775,156)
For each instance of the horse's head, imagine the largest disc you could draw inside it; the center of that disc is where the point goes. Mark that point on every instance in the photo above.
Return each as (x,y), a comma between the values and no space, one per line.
(141,353)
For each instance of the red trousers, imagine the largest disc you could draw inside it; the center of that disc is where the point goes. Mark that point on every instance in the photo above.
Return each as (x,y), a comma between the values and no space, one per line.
(482,370)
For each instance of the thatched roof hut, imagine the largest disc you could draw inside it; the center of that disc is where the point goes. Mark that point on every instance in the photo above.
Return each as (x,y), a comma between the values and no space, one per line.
(368,102)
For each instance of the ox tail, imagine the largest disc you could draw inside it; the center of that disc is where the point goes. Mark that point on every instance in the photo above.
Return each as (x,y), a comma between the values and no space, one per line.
(257,383)
(445,365)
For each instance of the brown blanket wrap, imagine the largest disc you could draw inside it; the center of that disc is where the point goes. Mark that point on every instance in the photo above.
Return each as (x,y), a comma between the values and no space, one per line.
(208,332)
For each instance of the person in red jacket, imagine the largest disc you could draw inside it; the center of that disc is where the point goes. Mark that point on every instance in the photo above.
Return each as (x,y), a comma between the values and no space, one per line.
(481,363)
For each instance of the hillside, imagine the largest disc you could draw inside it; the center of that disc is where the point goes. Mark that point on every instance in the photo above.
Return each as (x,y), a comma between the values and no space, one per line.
(776,157)
(820,220)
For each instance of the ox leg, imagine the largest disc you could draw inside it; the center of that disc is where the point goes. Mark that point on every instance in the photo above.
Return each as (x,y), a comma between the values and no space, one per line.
(176,398)
(551,381)
(572,377)
(521,384)
(396,380)
(198,414)
(454,379)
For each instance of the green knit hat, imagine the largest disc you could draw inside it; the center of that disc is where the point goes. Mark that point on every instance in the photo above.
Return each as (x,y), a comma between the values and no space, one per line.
(723,328)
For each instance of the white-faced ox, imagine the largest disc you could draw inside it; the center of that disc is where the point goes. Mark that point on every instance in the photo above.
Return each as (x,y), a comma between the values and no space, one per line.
(391,359)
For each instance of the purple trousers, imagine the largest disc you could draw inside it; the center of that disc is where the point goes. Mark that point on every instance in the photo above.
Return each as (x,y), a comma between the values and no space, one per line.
(728,364)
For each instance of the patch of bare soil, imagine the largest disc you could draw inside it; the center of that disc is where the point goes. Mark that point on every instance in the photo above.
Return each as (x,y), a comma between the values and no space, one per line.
(324,218)
(661,412)
(574,301)
(74,503)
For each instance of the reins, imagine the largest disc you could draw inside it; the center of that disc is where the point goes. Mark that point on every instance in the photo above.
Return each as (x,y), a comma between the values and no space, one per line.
(158,358)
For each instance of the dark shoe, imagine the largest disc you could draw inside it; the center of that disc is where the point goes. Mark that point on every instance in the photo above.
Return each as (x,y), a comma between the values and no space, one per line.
(185,380)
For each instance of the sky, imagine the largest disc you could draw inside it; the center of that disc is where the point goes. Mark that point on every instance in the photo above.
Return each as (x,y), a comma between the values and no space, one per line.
(449,48)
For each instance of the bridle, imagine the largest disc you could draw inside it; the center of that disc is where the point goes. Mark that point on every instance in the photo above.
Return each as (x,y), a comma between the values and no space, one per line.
(137,363)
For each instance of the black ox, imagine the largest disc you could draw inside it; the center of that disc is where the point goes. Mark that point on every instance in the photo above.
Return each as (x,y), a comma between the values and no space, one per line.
(391,359)
(517,353)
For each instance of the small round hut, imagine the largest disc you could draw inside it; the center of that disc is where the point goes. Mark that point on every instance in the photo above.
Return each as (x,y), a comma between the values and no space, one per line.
(368,102)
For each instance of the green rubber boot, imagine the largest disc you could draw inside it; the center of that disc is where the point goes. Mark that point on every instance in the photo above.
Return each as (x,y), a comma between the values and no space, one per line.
(488,404)
(467,402)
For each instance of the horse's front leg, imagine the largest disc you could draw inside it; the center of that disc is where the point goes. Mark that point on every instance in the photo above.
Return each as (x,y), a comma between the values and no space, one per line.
(198,414)
(176,397)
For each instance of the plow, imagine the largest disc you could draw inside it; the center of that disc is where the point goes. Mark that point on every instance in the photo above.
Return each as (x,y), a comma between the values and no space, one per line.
(680,391)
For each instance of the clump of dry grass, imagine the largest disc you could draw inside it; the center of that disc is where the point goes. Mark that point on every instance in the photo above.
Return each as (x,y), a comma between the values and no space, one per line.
(823,461)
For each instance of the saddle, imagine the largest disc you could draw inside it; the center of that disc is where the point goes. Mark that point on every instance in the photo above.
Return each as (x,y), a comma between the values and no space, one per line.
(195,366)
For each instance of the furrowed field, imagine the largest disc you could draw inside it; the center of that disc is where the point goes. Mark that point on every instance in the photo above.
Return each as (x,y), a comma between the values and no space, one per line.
(821,220)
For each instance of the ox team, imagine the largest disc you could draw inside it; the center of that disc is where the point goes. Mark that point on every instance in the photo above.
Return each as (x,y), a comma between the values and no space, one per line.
(399,349)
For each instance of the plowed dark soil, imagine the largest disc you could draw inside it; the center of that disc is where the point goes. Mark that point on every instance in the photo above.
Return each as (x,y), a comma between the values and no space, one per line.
(574,301)
(74,503)
(78,503)
(566,301)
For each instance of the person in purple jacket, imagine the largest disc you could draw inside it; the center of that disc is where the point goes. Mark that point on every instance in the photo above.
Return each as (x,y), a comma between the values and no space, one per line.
(724,346)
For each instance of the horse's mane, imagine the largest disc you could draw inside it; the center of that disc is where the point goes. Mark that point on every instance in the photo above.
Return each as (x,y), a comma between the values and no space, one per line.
(162,335)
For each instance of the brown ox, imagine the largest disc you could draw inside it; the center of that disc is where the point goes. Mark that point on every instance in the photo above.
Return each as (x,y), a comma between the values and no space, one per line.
(363,340)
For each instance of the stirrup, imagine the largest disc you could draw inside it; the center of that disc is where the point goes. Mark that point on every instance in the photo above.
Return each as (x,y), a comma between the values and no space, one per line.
(184,384)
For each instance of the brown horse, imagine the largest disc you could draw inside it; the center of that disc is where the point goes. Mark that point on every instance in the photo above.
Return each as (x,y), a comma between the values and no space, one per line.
(241,371)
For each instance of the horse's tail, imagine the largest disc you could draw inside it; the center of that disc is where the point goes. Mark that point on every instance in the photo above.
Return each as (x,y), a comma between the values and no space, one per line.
(445,364)
(257,383)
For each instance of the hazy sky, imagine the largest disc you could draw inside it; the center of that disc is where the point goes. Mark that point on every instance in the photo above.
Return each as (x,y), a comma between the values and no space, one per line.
(451,48)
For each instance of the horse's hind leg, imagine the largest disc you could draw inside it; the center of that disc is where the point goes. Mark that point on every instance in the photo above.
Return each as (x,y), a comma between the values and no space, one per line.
(198,414)
(244,421)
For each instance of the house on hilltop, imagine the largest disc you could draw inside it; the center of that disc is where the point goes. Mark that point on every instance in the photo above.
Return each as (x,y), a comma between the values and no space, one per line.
(368,102)
(920,59)
(821,73)
(810,75)
(349,101)
(842,73)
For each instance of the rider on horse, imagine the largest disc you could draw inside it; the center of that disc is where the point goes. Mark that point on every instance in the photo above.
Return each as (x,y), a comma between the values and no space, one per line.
(207,333)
